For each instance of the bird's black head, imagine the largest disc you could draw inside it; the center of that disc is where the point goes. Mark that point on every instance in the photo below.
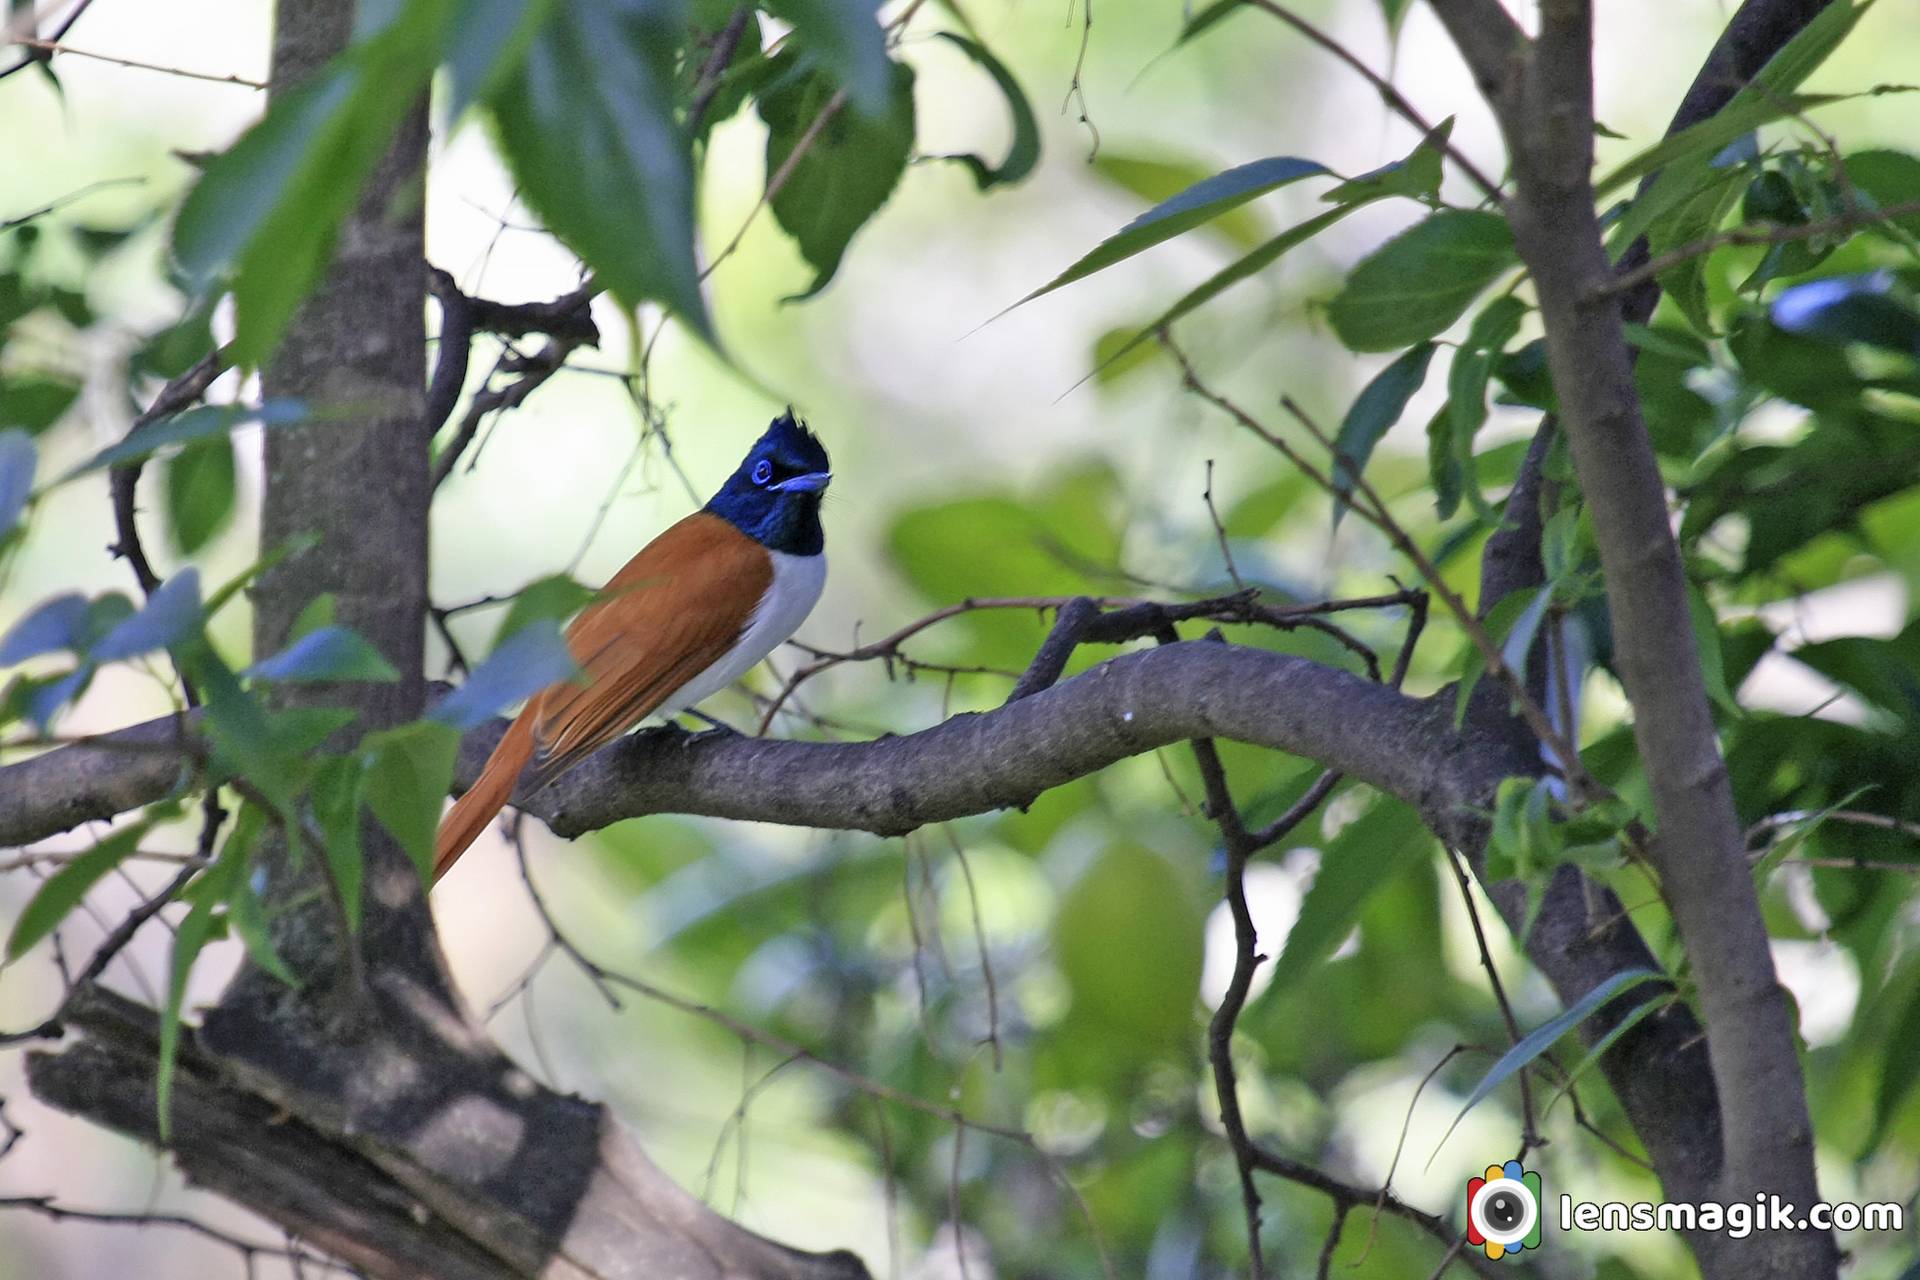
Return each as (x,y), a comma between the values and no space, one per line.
(774,498)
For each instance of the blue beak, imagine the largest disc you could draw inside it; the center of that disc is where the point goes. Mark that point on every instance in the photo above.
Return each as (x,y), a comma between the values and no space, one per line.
(811,482)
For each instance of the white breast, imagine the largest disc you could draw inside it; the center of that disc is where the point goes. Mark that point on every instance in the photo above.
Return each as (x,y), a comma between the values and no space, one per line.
(797,583)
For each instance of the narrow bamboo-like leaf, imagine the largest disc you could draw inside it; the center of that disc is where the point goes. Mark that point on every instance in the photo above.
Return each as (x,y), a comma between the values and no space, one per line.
(1254,263)
(1781,850)
(1443,466)
(1706,643)
(1366,855)
(1467,378)
(1543,1037)
(1709,136)
(62,891)
(1375,410)
(185,428)
(326,653)
(1207,18)
(1024,152)
(1422,280)
(1198,204)
(1641,1012)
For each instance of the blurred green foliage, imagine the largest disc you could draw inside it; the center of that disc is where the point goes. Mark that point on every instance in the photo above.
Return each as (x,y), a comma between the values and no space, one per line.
(1050,970)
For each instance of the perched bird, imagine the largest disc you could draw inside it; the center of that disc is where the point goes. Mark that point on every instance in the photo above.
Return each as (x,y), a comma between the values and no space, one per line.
(687,616)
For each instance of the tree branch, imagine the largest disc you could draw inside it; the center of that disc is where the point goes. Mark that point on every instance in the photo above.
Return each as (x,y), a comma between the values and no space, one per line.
(1544,106)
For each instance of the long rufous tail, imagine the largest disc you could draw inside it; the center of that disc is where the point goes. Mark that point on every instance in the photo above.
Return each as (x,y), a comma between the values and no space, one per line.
(473,811)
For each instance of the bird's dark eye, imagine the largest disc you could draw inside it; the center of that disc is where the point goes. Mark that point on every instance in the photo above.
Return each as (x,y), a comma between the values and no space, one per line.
(762,471)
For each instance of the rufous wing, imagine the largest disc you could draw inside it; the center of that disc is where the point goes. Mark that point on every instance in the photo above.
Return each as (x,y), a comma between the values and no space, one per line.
(674,610)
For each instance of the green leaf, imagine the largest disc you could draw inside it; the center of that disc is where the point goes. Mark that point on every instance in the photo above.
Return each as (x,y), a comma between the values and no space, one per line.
(189,940)
(337,790)
(316,613)
(586,122)
(1900,1067)
(1422,280)
(35,402)
(62,891)
(409,772)
(846,38)
(245,912)
(550,599)
(271,206)
(1467,378)
(1417,176)
(1640,1013)
(18,461)
(1443,465)
(1197,205)
(525,663)
(199,491)
(325,654)
(1220,281)
(1709,137)
(200,423)
(1843,309)
(1024,152)
(1706,644)
(1155,178)
(1882,177)
(1375,410)
(171,614)
(1512,623)
(55,625)
(486,45)
(845,175)
(1368,852)
(1542,1038)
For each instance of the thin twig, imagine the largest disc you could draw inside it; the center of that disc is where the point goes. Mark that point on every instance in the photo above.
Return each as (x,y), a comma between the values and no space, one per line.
(1853,220)
(1530,1134)
(1384,87)
(47,1207)
(54,46)
(1220,531)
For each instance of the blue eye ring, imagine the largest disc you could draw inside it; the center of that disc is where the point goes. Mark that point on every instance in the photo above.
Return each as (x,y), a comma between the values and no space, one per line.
(762,471)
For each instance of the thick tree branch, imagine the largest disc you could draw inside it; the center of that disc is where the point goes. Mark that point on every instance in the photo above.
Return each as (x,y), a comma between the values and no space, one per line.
(1009,756)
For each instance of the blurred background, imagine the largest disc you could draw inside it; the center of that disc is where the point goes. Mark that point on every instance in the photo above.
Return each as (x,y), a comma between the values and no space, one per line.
(1037,970)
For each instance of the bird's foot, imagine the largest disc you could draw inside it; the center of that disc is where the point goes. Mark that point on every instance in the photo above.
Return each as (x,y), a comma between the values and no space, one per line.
(715,728)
